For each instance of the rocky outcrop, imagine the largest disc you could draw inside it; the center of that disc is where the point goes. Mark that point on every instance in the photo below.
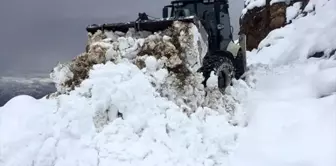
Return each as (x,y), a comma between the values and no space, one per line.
(257,22)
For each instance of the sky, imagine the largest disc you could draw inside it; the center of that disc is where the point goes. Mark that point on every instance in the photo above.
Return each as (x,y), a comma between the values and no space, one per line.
(37,34)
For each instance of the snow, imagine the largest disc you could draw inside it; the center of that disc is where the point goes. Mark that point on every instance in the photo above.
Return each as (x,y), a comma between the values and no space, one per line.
(311,29)
(156,129)
(292,118)
(212,81)
(291,115)
(151,63)
(293,11)
(161,124)
(282,114)
(251,4)
(60,75)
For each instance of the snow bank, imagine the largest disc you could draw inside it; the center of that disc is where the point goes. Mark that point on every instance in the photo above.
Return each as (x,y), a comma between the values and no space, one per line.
(169,58)
(292,117)
(122,103)
(301,39)
(83,128)
(291,113)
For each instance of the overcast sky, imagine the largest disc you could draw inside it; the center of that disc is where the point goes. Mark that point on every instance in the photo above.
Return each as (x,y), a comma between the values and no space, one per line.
(36,34)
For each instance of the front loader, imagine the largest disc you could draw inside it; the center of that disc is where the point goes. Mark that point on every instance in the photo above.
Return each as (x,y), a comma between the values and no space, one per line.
(226,58)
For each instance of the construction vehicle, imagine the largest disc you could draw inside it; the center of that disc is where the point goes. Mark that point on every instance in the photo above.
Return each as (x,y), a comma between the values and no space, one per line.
(225,57)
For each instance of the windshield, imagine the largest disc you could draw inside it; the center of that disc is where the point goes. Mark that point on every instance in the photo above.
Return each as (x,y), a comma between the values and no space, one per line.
(186,10)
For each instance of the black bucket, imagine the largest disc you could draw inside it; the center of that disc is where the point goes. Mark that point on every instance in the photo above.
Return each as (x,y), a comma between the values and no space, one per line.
(143,25)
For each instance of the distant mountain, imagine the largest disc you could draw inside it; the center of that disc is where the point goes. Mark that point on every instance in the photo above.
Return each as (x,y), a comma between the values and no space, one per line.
(14,86)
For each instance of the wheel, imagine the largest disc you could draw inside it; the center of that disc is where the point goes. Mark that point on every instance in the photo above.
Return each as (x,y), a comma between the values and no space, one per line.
(240,64)
(221,62)
(225,72)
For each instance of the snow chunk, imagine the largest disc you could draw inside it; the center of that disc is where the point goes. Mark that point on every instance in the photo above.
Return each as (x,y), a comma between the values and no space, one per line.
(212,81)
(61,74)
(151,63)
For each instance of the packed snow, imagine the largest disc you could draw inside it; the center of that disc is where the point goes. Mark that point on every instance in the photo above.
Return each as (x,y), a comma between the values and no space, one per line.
(128,111)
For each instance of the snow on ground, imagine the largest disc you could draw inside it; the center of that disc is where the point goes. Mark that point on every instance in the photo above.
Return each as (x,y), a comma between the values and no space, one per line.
(291,112)
(283,115)
(160,123)
(154,131)
(292,117)
(313,33)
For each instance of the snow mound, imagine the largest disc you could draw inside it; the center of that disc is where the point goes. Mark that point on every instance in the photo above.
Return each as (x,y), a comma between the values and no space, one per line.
(126,102)
(83,128)
(169,59)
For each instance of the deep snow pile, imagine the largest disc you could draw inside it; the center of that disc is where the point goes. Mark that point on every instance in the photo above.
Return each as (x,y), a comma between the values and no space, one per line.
(169,59)
(163,121)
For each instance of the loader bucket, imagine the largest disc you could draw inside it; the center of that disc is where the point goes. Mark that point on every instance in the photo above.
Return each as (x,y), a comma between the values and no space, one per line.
(142,25)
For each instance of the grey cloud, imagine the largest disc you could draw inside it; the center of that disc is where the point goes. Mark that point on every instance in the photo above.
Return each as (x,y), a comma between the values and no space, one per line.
(36,34)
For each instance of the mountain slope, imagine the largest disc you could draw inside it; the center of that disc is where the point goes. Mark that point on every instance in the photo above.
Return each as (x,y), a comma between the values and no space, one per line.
(292,116)
(13,86)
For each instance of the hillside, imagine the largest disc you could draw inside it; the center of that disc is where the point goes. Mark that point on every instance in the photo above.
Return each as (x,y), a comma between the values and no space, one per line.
(135,99)
(14,86)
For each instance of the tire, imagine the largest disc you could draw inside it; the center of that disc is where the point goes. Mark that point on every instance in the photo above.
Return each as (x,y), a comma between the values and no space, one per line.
(222,63)
(240,64)
(225,73)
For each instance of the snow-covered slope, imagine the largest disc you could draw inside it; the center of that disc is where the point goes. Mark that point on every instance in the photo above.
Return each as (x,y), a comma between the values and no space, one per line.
(13,86)
(292,115)
(282,115)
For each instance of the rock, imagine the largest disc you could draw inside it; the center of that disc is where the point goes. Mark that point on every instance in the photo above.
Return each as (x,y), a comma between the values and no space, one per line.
(256,23)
